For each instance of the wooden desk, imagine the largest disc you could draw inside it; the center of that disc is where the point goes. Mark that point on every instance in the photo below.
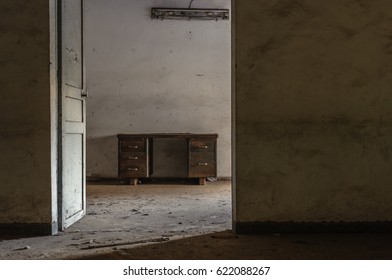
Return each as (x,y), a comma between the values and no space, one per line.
(135,155)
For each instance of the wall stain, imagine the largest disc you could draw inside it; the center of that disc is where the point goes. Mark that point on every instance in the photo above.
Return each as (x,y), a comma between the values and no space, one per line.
(287,8)
(385,153)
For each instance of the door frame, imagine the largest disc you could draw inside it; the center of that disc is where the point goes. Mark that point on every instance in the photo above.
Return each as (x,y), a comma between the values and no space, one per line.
(55,91)
(54,111)
(233,121)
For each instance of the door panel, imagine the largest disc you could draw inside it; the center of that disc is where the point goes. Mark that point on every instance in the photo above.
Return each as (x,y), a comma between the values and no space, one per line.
(72,43)
(72,204)
(73,175)
(74,111)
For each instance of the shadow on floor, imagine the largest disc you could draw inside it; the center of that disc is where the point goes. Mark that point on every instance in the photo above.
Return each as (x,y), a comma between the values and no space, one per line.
(227,246)
(129,216)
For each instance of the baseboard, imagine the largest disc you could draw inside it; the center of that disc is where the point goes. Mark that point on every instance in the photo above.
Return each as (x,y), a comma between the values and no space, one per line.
(119,181)
(28,229)
(224,179)
(102,180)
(312,227)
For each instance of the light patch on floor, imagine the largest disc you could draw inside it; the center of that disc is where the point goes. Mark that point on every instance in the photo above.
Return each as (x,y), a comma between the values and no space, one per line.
(124,216)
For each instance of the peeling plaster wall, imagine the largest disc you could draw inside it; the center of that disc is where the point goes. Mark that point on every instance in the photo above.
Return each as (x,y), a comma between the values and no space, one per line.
(313,110)
(25,173)
(147,76)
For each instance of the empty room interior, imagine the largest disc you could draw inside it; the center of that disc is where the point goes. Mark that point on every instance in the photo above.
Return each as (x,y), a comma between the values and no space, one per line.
(204,129)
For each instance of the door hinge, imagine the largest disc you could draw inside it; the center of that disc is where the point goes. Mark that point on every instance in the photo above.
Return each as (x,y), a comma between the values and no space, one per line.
(84,93)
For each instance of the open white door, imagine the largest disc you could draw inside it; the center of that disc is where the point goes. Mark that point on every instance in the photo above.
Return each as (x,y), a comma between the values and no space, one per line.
(72,152)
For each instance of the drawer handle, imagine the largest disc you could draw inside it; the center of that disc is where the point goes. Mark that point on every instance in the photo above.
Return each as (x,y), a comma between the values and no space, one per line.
(133,169)
(135,158)
(203,164)
(203,147)
(133,147)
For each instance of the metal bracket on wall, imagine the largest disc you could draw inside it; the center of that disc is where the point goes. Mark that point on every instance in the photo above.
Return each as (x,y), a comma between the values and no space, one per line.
(188,14)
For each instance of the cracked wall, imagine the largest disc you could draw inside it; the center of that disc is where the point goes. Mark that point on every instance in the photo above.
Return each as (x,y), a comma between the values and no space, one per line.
(313,110)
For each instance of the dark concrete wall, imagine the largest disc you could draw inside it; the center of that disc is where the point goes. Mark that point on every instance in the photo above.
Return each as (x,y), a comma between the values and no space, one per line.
(25,171)
(313,110)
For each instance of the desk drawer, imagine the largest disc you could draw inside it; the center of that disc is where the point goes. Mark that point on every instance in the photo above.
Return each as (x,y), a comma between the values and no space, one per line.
(202,146)
(133,170)
(133,145)
(132,157)
(202,165)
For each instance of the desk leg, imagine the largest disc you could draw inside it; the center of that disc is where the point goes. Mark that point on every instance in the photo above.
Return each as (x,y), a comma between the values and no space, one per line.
(133,182)
(202,181)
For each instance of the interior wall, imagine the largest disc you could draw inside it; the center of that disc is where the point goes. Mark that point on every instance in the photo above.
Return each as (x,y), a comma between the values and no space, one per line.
(313,110)
(25,139)
(153,76)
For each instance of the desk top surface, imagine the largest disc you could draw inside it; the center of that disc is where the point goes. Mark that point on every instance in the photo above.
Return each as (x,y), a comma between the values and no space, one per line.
(169,135)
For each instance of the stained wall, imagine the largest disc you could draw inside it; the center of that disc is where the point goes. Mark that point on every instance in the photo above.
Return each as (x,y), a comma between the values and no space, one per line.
(26,106)
(313,110)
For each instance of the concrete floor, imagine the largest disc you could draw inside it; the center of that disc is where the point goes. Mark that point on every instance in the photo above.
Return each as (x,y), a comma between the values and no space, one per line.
(181,222)
(227,246)
(125,216)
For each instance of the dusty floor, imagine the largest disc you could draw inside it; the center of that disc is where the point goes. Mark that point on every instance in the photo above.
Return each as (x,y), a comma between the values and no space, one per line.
(227,246)
(181,222)
(124,216)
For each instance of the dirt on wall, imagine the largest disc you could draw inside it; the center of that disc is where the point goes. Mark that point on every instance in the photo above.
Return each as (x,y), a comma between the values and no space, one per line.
(313,111)
(25,165)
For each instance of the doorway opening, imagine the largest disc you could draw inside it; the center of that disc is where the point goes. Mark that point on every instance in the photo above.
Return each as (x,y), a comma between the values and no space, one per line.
(152,76)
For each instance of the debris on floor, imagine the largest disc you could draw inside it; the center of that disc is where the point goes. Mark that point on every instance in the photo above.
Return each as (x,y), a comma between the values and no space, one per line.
(124,216)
